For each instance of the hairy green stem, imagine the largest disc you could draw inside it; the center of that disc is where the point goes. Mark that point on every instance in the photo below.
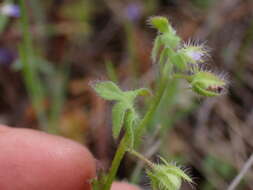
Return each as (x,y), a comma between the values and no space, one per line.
(141,157)
(123,146)
(140,130)
(116,161)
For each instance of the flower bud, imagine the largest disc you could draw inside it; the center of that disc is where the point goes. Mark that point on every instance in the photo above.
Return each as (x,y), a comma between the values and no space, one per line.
(206,83)
(194,54)
(167,176)
(160,23)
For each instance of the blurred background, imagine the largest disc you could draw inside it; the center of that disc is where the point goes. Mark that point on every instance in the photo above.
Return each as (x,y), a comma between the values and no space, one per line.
(49,56)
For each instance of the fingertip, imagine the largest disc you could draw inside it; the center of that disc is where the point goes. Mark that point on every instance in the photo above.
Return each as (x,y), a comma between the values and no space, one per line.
(124,186)
(55,163)
(4,128)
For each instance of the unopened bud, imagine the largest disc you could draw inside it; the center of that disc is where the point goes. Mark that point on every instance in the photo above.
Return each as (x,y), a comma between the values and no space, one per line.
(167,176)
(206,83)
(160,23)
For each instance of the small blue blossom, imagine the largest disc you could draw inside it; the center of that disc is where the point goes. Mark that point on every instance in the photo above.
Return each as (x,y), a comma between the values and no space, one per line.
(7,56)
(10,10)
(195,55)
(133,11)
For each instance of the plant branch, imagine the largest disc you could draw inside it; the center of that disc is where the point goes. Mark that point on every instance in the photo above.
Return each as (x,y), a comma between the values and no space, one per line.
(151,111)
(116,161)
(141,157)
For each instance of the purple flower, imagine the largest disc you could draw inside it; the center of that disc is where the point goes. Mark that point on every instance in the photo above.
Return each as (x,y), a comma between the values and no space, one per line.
(7,56)
(195,55)
(133,11)
(10,10)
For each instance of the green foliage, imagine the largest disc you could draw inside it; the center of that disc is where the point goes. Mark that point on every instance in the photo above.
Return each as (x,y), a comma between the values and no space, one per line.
(123,109)
(187,58)
(51,86)
(108,90)
(175,61)
(166,39)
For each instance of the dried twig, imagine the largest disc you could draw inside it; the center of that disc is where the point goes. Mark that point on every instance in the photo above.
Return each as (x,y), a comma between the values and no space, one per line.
(243,171)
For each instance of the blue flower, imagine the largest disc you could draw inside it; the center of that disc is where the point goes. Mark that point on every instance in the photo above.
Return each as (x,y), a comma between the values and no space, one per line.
(7,56)
(10,10)
(133,11)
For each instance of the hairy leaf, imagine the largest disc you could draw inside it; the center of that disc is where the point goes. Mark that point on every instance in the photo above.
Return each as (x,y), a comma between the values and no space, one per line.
(108,90)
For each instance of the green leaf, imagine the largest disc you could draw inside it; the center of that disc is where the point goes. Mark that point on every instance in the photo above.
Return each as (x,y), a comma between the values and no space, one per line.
(118,115)
(108,90)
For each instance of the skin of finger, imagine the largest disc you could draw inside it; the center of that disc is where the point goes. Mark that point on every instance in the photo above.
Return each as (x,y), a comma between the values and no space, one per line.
(33,160)
(124,186)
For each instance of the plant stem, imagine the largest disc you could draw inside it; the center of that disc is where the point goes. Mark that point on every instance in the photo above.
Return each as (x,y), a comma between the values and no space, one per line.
(116,161)
(139,131)
(141,157)
(152,109)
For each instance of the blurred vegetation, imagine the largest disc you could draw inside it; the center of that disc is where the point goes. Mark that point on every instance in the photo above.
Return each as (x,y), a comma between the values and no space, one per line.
(51,52)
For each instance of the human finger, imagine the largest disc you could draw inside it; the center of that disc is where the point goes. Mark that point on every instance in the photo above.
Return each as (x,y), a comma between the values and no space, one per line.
(33,160)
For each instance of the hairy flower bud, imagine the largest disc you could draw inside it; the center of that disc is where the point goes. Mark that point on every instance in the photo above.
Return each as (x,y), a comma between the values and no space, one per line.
(160,23)
(194,53)
(167,176)
(206,83)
